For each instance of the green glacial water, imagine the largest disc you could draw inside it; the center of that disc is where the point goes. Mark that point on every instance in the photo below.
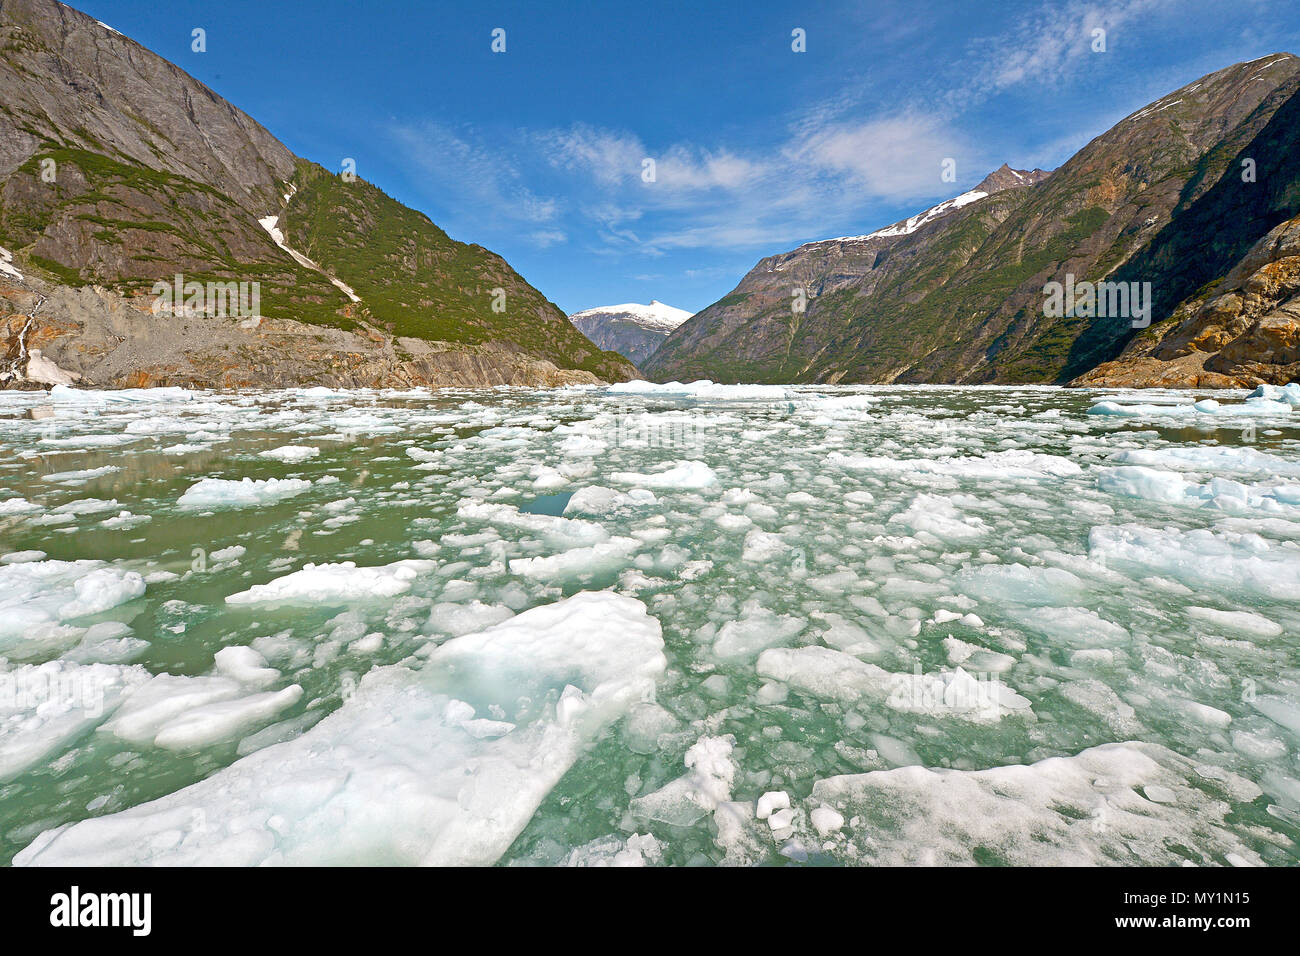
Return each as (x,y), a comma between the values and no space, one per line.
(686,625)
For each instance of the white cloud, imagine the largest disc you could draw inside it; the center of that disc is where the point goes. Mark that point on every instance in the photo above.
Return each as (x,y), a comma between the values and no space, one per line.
(545,238)
(896,157)
(1050,44)
(722,198)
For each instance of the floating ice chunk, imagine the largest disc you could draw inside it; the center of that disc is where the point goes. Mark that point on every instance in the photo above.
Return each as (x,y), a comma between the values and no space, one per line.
(245,665)
(770,802)
(224,720)
(46,707)
(125,521)
(458,619)
(546,478)
(826,820)
(686,474)
(22,557)
(710,775)
(1212,459)
(1086,810)
(844,635)
(86,506)
(1289,393)
(636,850)
(762,546)
(580,563)
(165,697)
(643,727)
(1207,406)
(1021,584)
(80,477)
(386,778)
(582,446)
(17,506)
(108,642)
(422,454)
(833,675)
(1015,464)
(1243,622)
(1283,711)
(702,389)
(36,593)
(77,396)
(1102,702)
(596,500)
(244,493)
(1071,626)
(1201,558)
(779,822)
(292,453)
(556,529)
(938,516)
(756,629)
(336,583)
(1139,481)
(976,657)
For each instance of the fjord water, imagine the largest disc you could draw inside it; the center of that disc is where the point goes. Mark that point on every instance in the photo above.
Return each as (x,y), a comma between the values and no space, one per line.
(598,625)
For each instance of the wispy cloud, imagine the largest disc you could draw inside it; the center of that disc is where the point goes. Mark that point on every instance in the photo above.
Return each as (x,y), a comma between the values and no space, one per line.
(545,238)
(1048,46)
(463,165)
(681,196)
(835,164)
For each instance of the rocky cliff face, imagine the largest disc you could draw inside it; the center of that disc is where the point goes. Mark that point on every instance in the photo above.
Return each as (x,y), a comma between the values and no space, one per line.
(118,170)
(1243,332)
(633,330)
(959,298)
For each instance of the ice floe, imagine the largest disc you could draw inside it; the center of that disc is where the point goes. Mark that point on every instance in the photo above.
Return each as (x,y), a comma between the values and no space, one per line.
(395,775)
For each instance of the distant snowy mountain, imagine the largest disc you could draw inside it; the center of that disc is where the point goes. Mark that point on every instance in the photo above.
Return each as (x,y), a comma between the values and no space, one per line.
(633,330)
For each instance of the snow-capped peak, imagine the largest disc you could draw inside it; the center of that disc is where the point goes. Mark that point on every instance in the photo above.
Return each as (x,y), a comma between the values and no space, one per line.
(656,316)
(910,225)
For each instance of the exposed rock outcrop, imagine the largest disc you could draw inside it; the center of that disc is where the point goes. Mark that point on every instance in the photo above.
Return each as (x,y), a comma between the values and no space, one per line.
(1244,332)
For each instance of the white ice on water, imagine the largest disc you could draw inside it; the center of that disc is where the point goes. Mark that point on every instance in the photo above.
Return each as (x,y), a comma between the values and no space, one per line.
(651,624)
(404,772)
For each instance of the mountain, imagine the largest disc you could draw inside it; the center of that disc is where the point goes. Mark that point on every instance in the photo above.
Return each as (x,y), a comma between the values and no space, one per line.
(1243,330)
(119,171)
(956,294)
(633,330)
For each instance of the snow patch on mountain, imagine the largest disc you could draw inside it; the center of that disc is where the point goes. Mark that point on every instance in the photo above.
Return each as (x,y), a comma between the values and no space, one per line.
(655,317)
(6,264)
(272,226)
(910,225)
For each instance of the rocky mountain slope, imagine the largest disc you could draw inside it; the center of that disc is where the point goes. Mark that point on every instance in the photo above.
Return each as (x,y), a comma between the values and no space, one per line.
(1159,198)
(633,330)
(1243,331)
(119,170)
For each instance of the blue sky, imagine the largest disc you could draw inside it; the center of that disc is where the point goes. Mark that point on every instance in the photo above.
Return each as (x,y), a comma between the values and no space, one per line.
(538,152)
